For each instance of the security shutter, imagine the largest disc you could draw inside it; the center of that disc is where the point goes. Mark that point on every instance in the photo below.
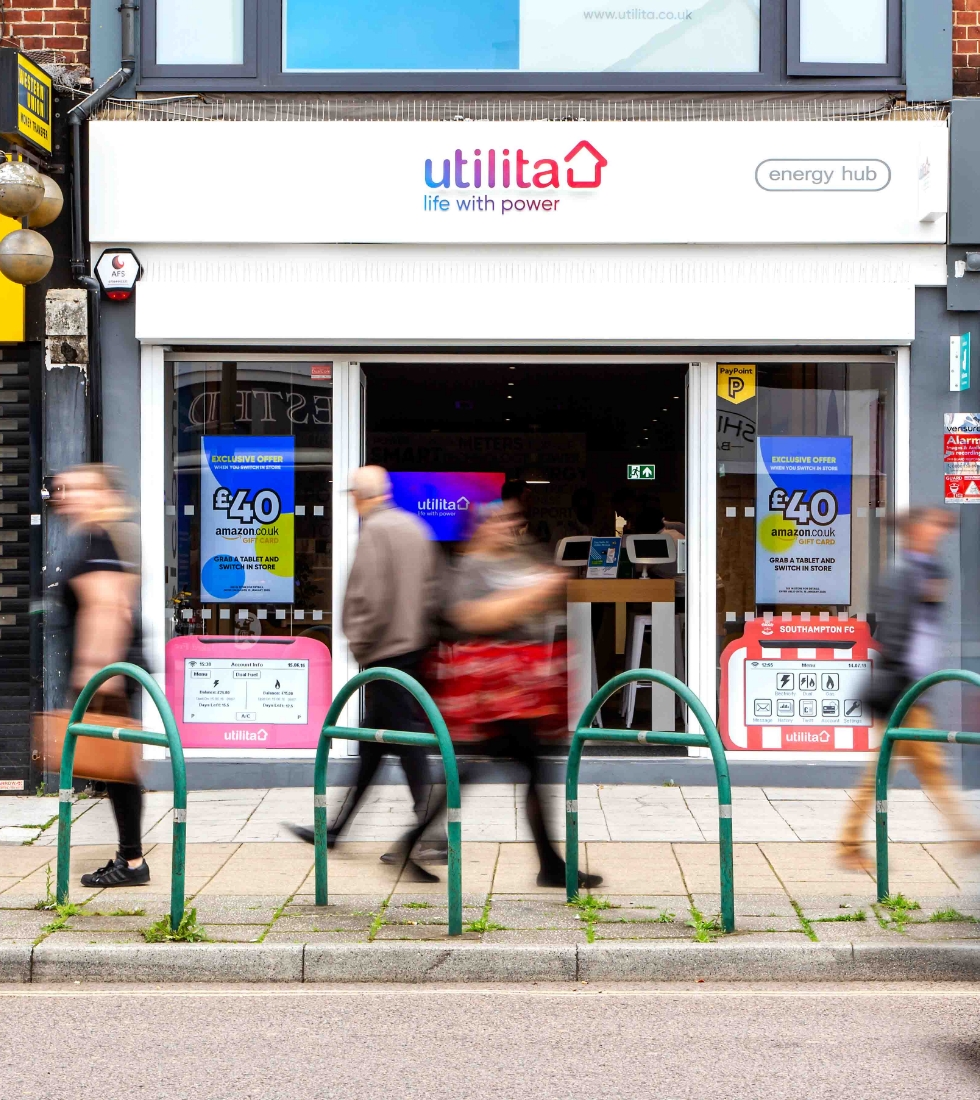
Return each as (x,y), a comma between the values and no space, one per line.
(16,553)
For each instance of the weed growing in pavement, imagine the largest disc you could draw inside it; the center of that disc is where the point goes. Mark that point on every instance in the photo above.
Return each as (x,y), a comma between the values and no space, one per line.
(276,914)
(804,920)
(49,901)
(416,905)
(588,906)
(859,915)
(379,919)
(63,914)
(590,903)
(705,931)
(666,917)
(947,916)
(188,931)
(116,912)
(483,925)
(899,909)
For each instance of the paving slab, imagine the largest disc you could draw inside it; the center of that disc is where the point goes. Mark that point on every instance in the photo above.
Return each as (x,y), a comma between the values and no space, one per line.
(753,872)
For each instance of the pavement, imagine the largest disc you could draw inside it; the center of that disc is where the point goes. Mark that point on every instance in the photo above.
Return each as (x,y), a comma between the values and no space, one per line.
(251,883)
(667,1042)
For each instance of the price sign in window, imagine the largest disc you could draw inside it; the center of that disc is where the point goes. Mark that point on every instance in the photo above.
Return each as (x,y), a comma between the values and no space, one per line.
(247,494)
(803,517)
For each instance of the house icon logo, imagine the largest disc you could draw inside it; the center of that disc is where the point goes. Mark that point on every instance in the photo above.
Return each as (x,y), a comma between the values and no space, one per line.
(587,160)
(462,505)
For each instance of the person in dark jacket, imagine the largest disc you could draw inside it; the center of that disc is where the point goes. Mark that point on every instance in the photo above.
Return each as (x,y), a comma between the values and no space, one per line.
(908,605)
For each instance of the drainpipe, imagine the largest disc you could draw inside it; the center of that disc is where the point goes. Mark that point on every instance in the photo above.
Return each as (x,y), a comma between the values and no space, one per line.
(79,260)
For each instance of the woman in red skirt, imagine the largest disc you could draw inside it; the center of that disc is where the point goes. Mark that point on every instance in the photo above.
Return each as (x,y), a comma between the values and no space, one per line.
(502,685)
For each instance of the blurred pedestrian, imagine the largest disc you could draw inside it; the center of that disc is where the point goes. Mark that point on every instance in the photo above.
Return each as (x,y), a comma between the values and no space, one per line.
(100,599)
(909,603)
(389,607)
(500,685)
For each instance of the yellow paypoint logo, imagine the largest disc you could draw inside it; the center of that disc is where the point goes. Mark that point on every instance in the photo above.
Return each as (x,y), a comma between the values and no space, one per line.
(736,382)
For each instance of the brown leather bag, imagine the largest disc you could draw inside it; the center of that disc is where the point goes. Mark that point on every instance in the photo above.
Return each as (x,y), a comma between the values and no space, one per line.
(95,757)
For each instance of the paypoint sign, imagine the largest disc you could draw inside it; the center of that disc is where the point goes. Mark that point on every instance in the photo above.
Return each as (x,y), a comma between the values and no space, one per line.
(736,382)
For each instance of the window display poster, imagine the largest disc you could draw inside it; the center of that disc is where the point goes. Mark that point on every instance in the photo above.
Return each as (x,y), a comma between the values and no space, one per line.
(247,498)
(803,520)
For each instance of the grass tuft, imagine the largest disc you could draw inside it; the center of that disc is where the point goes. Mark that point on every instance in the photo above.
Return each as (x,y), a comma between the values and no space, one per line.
(483,924)
(948,916)
(858,915)
(804,920)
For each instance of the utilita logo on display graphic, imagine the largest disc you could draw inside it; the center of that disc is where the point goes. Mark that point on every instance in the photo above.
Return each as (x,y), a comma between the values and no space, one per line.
(491,169)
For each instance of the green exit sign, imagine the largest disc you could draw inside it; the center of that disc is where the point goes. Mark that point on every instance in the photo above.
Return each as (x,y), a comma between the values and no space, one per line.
(643,472)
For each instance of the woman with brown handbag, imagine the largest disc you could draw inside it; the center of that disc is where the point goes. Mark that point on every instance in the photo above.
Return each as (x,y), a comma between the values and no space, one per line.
(99,596)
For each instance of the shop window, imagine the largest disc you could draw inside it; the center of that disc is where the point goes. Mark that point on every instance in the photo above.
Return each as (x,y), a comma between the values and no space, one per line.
(805,492)
(188,38)
(249,551)
(520,36)
(516,45)
(843,37)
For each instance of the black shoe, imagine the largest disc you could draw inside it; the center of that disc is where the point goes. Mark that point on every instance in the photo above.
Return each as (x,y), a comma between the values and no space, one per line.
(117,872)
(307,835)
(557,878)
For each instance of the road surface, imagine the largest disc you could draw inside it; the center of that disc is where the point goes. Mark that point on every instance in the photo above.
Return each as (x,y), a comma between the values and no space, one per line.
(656,1043)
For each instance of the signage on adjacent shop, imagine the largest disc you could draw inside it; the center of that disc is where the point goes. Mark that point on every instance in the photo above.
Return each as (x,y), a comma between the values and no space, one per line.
(796,683)
(803,520)
(604,558)
(961,458)
(736,382)
(959,362)
(269,694)
(25,102)
(641,472)
(247,494)
(529,182)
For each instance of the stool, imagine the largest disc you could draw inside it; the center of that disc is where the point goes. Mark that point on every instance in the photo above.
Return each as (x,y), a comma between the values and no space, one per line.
(641,624)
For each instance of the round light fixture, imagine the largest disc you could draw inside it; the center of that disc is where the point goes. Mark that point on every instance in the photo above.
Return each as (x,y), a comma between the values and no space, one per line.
(21,188)
(49,207)
(25,257)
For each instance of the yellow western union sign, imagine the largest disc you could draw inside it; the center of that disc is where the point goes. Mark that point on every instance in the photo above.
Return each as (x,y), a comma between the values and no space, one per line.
(25,101)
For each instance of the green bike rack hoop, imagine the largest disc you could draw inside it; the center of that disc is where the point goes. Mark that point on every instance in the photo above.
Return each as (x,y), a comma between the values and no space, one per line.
(894,731)
(438,739)
(169,739)
(708,739)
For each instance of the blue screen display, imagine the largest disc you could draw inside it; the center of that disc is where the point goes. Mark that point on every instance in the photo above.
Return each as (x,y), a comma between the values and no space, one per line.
(444,500)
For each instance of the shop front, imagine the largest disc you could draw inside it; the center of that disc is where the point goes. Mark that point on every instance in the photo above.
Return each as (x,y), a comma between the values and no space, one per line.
(686,346)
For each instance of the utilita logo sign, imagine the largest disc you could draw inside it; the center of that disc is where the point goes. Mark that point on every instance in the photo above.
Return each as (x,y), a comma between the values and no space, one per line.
(506,170)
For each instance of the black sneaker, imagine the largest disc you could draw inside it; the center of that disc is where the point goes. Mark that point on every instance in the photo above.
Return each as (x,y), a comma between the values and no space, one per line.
(556,877)
(117,872)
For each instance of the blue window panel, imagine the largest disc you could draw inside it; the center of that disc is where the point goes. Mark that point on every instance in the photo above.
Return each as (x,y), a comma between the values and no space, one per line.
(392,35)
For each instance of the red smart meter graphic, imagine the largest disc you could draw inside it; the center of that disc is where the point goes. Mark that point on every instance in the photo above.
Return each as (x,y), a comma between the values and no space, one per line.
(796,685)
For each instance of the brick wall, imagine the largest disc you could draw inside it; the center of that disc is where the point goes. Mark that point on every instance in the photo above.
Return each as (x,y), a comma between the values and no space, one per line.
(61,26)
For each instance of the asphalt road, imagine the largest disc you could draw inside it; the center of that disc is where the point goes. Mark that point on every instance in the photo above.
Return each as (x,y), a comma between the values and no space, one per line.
(655,1043)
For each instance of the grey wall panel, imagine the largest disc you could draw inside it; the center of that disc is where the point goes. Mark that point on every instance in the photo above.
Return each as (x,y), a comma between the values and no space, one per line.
(930,399)
(964,171)
(121,390)
(106,44)
(928,42)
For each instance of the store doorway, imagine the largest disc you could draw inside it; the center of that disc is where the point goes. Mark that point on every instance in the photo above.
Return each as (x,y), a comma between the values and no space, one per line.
(594,451)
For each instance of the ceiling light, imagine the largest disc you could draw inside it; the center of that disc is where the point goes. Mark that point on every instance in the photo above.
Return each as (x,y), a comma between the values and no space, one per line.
(510,383)
(676,397)
(510,397)
(534,481)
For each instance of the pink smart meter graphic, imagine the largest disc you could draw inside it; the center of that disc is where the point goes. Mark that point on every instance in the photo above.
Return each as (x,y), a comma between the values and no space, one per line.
(271,693)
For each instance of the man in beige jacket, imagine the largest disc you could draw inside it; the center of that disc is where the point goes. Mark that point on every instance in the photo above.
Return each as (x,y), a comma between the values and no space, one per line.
(389,607)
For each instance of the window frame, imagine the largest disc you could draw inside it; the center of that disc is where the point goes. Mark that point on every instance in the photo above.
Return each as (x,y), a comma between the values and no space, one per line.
(891,67)
(248,69)
(264,53)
